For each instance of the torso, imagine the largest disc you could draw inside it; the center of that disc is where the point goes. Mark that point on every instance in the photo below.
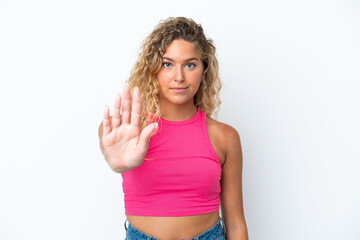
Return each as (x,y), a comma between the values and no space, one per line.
(174,228)
(186,227)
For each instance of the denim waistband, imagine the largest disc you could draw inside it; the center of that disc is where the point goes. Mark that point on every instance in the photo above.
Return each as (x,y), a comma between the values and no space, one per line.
(211,233)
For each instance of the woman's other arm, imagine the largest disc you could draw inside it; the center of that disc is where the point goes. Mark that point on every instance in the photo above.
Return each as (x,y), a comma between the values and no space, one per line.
(231,185)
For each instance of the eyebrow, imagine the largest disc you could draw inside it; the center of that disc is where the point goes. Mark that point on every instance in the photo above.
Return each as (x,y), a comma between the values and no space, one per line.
(186,60)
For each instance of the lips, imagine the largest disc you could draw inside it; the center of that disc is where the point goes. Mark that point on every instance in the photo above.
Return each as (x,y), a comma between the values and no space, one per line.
(179,89)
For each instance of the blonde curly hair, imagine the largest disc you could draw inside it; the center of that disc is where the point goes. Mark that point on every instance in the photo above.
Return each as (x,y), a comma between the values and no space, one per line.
(143,74)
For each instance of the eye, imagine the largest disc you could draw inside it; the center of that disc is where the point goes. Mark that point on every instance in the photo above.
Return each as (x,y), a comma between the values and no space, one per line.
(190,65)
(167,64)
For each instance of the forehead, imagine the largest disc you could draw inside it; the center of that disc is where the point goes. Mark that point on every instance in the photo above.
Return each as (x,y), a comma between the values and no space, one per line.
(180,48)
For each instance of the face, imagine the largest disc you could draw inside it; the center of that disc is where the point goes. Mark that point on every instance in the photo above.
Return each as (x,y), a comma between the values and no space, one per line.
(180,75)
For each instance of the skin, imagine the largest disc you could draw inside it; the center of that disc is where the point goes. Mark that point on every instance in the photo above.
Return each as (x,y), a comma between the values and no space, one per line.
(179,79)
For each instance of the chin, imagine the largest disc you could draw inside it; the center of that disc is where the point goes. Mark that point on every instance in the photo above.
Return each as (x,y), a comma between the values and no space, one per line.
(178,101)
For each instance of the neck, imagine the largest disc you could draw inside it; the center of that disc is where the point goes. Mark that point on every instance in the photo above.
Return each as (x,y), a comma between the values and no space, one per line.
(178,112)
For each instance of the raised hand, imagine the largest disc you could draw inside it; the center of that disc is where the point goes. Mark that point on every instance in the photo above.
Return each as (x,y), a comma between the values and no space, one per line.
(122,141)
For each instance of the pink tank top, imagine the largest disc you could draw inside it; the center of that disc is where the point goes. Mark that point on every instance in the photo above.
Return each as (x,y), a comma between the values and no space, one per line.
(183,176)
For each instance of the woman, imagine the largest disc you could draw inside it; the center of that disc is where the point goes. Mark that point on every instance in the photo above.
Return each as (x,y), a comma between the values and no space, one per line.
(177,163)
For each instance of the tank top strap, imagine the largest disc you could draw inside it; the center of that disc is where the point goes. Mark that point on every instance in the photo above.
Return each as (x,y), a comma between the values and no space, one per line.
(206,136)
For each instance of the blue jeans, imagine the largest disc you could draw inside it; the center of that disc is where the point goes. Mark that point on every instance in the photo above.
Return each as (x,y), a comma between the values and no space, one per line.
(216,232)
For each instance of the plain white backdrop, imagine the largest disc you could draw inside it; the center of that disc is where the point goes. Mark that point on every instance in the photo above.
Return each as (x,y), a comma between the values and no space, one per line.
(291,87)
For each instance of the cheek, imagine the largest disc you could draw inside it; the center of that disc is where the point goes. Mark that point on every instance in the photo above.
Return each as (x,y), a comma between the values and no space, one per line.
(198,78)
(160,79)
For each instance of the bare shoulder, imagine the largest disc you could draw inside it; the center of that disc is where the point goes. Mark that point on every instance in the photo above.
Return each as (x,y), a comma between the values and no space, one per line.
(223,131)
(222,128)
(225,138)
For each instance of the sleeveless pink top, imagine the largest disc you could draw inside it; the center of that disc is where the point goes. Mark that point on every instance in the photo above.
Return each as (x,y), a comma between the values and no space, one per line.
(181,174)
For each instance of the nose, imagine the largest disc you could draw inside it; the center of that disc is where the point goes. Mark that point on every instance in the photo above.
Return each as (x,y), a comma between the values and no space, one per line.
(179,74)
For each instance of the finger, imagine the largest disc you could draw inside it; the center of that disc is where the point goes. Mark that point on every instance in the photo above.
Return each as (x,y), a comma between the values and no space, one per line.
(116,120)
(146,134)
(106,121)
(136,108)
(126,105)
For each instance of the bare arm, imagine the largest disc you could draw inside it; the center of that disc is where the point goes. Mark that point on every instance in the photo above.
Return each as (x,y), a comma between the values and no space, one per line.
(231,185)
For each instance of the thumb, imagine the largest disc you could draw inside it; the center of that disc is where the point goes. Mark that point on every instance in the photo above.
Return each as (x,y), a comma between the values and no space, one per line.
(146,134)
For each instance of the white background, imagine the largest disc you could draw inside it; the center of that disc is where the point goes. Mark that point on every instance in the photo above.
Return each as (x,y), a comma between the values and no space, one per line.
(291,87)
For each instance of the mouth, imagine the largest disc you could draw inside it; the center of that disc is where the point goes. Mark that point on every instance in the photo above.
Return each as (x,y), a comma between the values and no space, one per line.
(179,89)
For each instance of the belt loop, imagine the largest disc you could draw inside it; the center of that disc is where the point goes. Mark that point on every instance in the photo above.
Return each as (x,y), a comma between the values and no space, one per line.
(125,224)
(223,225)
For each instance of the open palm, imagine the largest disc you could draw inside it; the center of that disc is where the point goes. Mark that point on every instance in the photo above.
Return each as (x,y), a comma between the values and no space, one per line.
(124,144)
